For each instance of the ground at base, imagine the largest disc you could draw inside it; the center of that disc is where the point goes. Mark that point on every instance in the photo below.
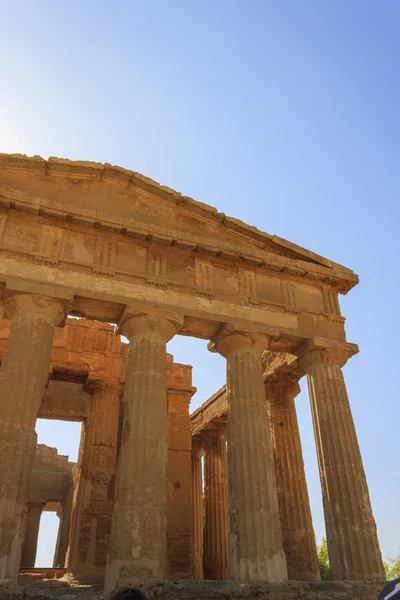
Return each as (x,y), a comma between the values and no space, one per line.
(67,589)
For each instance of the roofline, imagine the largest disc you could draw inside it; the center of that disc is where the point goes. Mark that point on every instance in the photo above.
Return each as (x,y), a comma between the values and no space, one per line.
(107,173)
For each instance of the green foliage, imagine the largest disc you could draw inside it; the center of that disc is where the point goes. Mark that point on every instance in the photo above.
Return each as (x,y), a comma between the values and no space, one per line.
(392,567)
(323,560)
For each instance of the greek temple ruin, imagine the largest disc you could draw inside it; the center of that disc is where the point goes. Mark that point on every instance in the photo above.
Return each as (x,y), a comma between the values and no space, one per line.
(90,252)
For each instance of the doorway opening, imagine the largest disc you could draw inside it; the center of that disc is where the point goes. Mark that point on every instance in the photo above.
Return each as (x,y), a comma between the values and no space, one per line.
(51,488)
(47,540)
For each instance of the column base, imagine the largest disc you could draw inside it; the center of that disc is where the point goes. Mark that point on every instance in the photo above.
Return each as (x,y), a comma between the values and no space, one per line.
(213,590)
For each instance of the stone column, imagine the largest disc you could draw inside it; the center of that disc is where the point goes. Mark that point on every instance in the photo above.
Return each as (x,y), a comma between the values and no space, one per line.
(93,503)
(350,527)
(216,526)
(179,476)
(197,491)
(294,506)
(64,529)
(31,534)
(56,551)
(23,376)
(138,543)
(255,541)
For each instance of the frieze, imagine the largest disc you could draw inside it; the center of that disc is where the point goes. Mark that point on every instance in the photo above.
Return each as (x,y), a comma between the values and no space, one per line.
(147,261)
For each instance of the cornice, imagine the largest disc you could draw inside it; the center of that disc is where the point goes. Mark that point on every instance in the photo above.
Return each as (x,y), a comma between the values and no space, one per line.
(270,251)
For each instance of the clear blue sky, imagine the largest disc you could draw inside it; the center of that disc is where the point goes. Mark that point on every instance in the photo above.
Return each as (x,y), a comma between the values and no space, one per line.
(281,113)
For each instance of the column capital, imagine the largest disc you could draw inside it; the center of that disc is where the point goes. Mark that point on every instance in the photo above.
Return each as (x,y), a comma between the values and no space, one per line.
(281,386)
(162,325)
(324,351)
(230,339)
(34,305)
(36,504)
(94,386)
(197,445)
(215,430)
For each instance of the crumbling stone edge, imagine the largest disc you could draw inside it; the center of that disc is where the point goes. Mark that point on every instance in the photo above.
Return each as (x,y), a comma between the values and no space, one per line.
(207,590)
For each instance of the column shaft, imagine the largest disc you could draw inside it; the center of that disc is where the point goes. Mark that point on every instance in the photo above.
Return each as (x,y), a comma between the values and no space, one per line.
(350,527)
(216,525)
(179,476)
(29,546)
(64,529)
(138,542)
(23,377)
(255,541)
(297,529)
(93,506)
(197,491)
(56,551)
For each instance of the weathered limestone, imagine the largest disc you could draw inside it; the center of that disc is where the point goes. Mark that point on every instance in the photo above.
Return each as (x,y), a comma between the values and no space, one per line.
(350,527)
(112,241)
(216,525)
(255,542)
(294,506)
(51,486)
(197,503)
(138,543)
(23,378)
(204,590)
(64,515)
(51,476)
(91,352)
(179,474)
(31,534)
(114,238)
(93,505)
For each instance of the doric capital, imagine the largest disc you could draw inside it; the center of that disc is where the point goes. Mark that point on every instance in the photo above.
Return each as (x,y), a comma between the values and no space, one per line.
(281,386)
(327,352)
(98,386)
(35,306)
(197,446)
(229,340)
(163,325)
(36,505)
(213,430)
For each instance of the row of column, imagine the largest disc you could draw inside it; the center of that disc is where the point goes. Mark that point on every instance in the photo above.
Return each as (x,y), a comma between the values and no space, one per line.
(351,531)
(31,526)
(31,533)
(137,548)
(295,515)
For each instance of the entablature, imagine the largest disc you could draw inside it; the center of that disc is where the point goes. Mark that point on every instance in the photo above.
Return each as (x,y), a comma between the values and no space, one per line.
(120,205)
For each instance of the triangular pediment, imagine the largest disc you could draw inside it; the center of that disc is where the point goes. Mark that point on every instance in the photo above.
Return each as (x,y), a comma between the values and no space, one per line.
(126,202)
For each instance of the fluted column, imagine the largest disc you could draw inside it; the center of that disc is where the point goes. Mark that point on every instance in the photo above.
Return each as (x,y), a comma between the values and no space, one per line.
(197,495)
(64,528)
(216,526)
(55,557)
(29,546)
(255,541)
(138,542)
(294,506)
(23,376)
(93,506)
(350,527)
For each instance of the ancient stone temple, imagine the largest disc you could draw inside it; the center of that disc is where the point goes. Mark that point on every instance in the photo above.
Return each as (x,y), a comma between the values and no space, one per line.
(155,494)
